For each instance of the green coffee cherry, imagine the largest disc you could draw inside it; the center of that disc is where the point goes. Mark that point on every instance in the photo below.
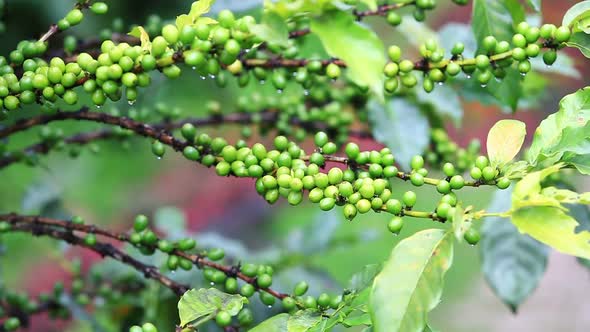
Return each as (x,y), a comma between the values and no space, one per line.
(472,236)
(395,225)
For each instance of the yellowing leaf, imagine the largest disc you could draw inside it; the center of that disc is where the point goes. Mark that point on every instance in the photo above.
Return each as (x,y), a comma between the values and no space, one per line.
(504,141)
(553,227)
(531,183)
(143,36)
(198,8)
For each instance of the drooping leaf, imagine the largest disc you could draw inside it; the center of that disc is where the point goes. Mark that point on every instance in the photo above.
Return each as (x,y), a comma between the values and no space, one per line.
(200,305)
(512,263)
(410,284)
(401,126)
(272,29)
(576,14)
(360,48)
(581,41)
(144,37)
(564,135)
(504,141)
(301,321)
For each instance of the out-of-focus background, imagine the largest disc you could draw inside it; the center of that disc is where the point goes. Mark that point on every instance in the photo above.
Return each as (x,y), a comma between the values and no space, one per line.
(109,187)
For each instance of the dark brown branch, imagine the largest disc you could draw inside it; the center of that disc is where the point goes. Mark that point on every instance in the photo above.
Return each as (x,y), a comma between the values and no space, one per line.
(47,227)
(55,228)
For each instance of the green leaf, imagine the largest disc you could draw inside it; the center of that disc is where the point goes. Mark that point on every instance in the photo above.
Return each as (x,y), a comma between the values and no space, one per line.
(200,305)
(171,221)
(411,282)
(198,8)
(536,4)
(504,141)
(564,65)
(554,227)
(531,184)
(401,126)
(460,224)
(581,41)
(512,263)
(564,135)
(415,32)
(288,9)
(507,91)
(577,13)
(364,278)
(144,38)
(301,321)
(492,18)
(445,101)
(272,29)
(360,48)
(371,4)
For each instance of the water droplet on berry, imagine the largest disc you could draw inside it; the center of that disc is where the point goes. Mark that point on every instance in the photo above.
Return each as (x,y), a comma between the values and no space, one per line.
(548,66)
(523,74)
(269,306)
(468,76)
(193,67)
(203,77)
(440,83)
(212,283)
(306,92)
(279,91)
(159,158)
(261,81)
(98,106)
(211,76)
(131,102)
(484,85)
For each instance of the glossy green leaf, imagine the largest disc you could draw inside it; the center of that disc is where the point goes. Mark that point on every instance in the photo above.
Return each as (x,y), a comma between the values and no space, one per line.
(508,91)
(272,29)
(504,141)
(359,47)
(512,263)
(200,305)
(288,9)
(581,41)
(411,282)
(575,14)
(401,126)
(564,135)
(301,321)
(416,33)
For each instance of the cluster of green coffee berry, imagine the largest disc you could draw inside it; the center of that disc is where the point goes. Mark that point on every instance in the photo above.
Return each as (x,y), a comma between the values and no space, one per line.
(494,60)
(362,186)
(443,150)
(81,291)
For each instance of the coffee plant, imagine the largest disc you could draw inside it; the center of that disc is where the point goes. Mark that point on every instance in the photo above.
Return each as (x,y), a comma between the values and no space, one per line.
(333,82)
